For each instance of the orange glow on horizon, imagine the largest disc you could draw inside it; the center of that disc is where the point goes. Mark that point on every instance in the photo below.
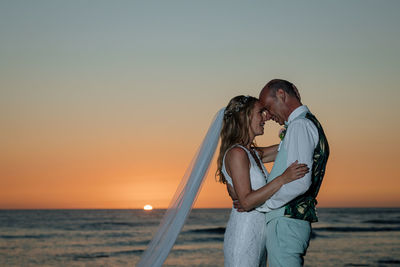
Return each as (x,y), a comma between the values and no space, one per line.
(125,177)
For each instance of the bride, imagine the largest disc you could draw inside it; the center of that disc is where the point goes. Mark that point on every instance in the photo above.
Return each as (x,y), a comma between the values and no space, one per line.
(240,166)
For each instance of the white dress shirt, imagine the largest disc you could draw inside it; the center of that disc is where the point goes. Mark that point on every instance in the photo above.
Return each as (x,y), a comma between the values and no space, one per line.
(300,141)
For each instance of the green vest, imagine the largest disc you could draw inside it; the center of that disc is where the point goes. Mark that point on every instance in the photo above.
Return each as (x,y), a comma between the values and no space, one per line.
(303,206)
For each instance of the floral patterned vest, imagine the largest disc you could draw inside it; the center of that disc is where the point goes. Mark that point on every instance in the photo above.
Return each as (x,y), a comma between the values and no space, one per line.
(303,207)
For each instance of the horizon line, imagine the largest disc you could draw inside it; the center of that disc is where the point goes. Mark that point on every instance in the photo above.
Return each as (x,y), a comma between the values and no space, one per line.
(352,207)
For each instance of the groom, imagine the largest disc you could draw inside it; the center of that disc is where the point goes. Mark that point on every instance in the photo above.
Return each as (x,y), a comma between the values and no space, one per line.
(291,210)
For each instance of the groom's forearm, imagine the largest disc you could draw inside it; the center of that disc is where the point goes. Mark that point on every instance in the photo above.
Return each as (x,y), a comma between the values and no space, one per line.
(257,197)
(268,153)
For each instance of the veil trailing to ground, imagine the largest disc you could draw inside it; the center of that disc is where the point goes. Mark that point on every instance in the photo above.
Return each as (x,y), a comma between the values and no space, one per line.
(181,204)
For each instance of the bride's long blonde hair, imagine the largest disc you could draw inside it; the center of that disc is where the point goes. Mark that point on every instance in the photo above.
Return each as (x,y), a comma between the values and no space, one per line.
(235,128)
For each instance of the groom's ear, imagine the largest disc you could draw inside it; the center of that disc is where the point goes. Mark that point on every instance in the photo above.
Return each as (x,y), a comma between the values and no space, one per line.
(281,95)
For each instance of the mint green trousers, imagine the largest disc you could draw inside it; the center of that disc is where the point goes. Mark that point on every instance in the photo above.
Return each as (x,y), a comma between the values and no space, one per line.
(287,241)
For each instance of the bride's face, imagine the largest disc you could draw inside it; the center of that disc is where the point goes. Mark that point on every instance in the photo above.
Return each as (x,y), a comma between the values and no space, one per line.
(257,120)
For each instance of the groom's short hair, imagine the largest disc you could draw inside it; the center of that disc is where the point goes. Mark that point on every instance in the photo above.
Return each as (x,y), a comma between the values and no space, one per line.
(286,86)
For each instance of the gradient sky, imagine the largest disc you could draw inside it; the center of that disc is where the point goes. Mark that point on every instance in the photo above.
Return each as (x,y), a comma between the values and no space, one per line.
(104,103)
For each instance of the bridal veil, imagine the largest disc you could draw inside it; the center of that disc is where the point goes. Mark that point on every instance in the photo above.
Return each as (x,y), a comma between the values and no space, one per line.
(181,204)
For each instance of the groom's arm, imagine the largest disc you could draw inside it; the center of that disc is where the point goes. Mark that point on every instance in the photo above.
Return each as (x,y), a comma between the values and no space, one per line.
(268,154)
(235,200)
(302,139)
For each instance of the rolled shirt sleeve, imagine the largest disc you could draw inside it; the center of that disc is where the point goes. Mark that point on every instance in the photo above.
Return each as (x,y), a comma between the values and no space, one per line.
(302,138)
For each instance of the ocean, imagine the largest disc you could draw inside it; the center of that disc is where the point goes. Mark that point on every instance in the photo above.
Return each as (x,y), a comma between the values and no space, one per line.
(342,237)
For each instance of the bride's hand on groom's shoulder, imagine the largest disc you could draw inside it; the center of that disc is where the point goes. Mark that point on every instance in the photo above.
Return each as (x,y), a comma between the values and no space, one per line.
(295,171)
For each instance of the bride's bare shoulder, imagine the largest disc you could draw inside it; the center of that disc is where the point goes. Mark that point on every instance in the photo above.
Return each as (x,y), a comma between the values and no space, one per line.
(236,154)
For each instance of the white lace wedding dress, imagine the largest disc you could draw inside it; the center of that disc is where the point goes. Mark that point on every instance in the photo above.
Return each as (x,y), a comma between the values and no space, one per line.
(244,240)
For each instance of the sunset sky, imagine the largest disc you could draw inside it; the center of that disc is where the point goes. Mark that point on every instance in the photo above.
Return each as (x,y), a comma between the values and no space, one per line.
(104,103)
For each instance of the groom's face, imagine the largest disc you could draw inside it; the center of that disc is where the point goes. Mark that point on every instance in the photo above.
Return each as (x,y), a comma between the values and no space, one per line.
(274,105)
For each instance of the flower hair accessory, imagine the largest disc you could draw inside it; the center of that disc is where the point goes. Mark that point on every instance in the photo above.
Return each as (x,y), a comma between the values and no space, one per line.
(237,107)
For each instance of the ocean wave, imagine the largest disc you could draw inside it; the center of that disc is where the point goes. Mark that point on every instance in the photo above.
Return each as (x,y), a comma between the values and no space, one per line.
(357,229)
(89,256)
(390,261)
(383,221)
(112,225)
(215,230)
(27,236)
(127,252)
(119,235)
(96,255)
(126,243)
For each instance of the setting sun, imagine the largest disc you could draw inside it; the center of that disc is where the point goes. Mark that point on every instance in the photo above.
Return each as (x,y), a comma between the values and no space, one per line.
(148,207)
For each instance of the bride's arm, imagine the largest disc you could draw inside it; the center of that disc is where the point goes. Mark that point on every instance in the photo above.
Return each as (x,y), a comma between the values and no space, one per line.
(268,154)
(237,165)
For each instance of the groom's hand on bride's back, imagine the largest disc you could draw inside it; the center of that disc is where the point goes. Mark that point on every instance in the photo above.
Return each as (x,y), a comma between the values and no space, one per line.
(237,206)
(232,194)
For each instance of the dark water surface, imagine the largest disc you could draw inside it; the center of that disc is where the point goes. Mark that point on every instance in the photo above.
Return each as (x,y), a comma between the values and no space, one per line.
(342,237)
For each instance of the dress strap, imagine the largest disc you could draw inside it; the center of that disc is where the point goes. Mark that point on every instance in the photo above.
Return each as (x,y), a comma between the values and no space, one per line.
(265,172)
